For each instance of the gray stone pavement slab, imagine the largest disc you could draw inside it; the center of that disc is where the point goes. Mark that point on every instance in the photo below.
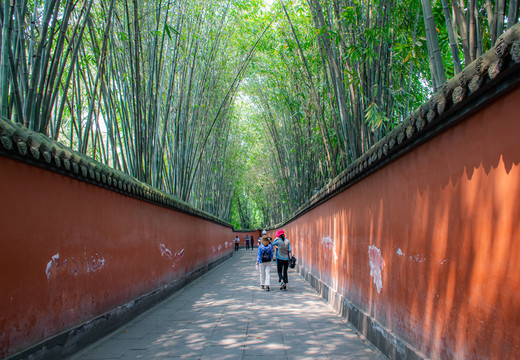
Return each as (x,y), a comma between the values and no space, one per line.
(226,315)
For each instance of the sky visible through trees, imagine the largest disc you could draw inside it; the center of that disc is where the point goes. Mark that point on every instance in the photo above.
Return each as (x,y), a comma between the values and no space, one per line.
(242,108)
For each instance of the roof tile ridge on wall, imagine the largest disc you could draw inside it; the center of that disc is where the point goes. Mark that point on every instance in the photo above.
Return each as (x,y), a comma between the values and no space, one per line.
(458,98)
(20,143)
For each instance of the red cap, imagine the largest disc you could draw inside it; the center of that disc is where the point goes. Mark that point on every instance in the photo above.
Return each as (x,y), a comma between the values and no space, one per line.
(279,232)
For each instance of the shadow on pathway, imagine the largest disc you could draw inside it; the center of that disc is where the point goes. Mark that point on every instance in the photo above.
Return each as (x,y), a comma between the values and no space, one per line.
(225,315)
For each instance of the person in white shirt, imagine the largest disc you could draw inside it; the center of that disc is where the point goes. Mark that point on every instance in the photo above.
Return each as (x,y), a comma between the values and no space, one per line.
(264,258)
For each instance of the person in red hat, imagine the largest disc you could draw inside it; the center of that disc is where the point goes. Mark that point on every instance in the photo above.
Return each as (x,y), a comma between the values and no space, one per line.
(283,253)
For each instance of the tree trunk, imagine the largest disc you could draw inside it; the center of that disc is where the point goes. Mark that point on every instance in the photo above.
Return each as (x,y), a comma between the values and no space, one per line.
(451,36)
(491,21)
(512,14)
(433,46)
(461,23)
(472,30)
(5,70)
(315,98)
(501,7)
(99,78)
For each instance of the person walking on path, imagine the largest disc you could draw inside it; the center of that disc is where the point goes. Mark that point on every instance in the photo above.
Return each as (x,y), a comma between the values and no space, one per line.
(260,238)
(283,251)
(237,240)
(247,242)
(252,242)
(264,257)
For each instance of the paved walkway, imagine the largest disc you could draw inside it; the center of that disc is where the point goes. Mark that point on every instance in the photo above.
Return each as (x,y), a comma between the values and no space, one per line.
(225,315)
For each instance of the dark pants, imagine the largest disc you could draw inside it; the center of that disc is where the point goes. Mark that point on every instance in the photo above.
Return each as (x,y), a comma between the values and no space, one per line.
(247,244)
(282,266)
(236,246)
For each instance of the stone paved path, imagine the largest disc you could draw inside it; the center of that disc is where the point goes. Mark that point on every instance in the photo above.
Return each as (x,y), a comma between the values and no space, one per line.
(225,315)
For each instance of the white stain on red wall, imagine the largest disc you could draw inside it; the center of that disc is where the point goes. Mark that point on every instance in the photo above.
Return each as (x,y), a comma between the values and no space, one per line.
(328,243)
(74,267)
(377,263)
(414,258)
(95,263)
(418,258)
(167,252)
(55,261)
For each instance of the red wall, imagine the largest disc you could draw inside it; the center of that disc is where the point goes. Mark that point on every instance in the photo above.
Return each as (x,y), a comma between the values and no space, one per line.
(429,245)
(72,251)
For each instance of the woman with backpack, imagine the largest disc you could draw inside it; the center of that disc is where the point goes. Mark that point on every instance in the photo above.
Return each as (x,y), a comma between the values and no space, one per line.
(283,251)
(264,257)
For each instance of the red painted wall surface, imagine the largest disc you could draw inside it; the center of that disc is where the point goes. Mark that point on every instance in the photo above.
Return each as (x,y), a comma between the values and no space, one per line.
(429,246)
(72,251)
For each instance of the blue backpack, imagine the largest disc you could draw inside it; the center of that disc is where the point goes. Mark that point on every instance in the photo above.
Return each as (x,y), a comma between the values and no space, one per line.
(265,256)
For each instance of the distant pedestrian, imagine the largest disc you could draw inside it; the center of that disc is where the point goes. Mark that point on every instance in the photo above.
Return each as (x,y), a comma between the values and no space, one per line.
(237,240)
(252,242)
(264,258)
(260,238)
(247,242)
(283,251)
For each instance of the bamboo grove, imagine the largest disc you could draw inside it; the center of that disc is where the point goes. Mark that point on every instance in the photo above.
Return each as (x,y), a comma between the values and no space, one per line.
(337,76)
(242,108)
